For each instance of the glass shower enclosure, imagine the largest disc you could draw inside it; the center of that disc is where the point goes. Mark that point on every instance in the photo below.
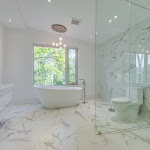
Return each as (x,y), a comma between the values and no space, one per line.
(122,65)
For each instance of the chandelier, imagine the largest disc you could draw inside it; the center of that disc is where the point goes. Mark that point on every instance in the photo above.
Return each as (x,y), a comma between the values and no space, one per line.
(60,29)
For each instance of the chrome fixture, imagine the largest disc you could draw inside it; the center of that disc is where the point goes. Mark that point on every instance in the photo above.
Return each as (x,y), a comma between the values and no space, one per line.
(84,86)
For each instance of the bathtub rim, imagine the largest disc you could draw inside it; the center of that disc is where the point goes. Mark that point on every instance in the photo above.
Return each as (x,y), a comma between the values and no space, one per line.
(58,87)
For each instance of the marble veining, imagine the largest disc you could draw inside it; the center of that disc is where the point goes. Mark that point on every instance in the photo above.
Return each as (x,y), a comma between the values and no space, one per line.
(116,62)
(32,127)
(113,67)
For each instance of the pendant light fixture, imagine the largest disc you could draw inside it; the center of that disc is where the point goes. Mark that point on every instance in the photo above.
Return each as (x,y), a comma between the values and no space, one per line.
(60,29)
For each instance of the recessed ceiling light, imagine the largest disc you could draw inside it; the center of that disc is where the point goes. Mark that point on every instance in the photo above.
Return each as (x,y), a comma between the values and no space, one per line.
(91,36)
(110,20)
(49,1)
(116,17)
(96,33)
(147,51)
(9,20)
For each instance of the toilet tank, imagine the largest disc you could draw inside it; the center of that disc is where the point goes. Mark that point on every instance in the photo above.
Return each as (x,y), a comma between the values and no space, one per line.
(136,95)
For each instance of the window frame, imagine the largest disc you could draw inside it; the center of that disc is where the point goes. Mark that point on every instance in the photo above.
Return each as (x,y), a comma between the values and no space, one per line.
(66,63)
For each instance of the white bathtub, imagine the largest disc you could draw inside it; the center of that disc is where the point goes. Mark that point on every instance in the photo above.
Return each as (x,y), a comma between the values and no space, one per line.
(59,96)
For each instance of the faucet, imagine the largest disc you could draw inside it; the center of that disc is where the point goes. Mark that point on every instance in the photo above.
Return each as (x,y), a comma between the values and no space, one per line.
(84,86)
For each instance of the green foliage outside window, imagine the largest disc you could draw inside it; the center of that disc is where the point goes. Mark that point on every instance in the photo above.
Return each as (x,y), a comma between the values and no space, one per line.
(50,66)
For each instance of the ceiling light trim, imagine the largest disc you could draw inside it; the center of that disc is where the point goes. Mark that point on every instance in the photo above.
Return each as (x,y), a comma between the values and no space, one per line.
(59,28)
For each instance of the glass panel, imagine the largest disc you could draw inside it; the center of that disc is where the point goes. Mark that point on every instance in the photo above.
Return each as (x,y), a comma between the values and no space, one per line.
(139,74)
(112,64)
(139,62)
(49,66)
(72,66)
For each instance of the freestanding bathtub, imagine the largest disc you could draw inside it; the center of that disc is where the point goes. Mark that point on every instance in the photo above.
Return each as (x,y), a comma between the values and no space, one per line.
(59,96)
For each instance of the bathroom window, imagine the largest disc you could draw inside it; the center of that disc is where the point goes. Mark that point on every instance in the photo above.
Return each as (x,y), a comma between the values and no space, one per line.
(55,66)
(140,68)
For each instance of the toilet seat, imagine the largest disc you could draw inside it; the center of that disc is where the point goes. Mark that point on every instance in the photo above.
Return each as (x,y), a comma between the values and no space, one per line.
(121,100)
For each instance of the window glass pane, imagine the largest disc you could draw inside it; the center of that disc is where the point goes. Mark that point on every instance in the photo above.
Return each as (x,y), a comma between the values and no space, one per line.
(72,66)
(140,68)
(49,66)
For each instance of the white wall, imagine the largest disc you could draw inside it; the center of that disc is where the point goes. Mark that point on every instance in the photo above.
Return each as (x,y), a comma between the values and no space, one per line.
(2,47)
(113,63)
(19,61)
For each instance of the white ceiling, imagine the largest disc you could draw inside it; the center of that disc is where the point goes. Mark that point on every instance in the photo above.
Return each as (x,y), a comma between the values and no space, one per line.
(40,14)
(127,17)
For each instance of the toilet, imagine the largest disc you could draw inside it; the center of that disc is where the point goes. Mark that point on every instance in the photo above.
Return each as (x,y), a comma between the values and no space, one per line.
(127,109)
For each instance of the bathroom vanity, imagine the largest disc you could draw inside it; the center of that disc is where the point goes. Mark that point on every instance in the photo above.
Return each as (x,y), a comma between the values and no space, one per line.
(5,97)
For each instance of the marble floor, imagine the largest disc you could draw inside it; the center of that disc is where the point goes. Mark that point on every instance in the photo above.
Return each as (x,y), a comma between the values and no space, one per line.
(32,127)
(105,124)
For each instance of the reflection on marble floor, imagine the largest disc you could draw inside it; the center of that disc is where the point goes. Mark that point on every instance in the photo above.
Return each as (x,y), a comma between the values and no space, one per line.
(32,127)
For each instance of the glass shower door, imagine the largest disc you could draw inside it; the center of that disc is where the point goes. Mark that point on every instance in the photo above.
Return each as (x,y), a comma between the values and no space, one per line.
(112,62)
(123,70)
(140,74)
